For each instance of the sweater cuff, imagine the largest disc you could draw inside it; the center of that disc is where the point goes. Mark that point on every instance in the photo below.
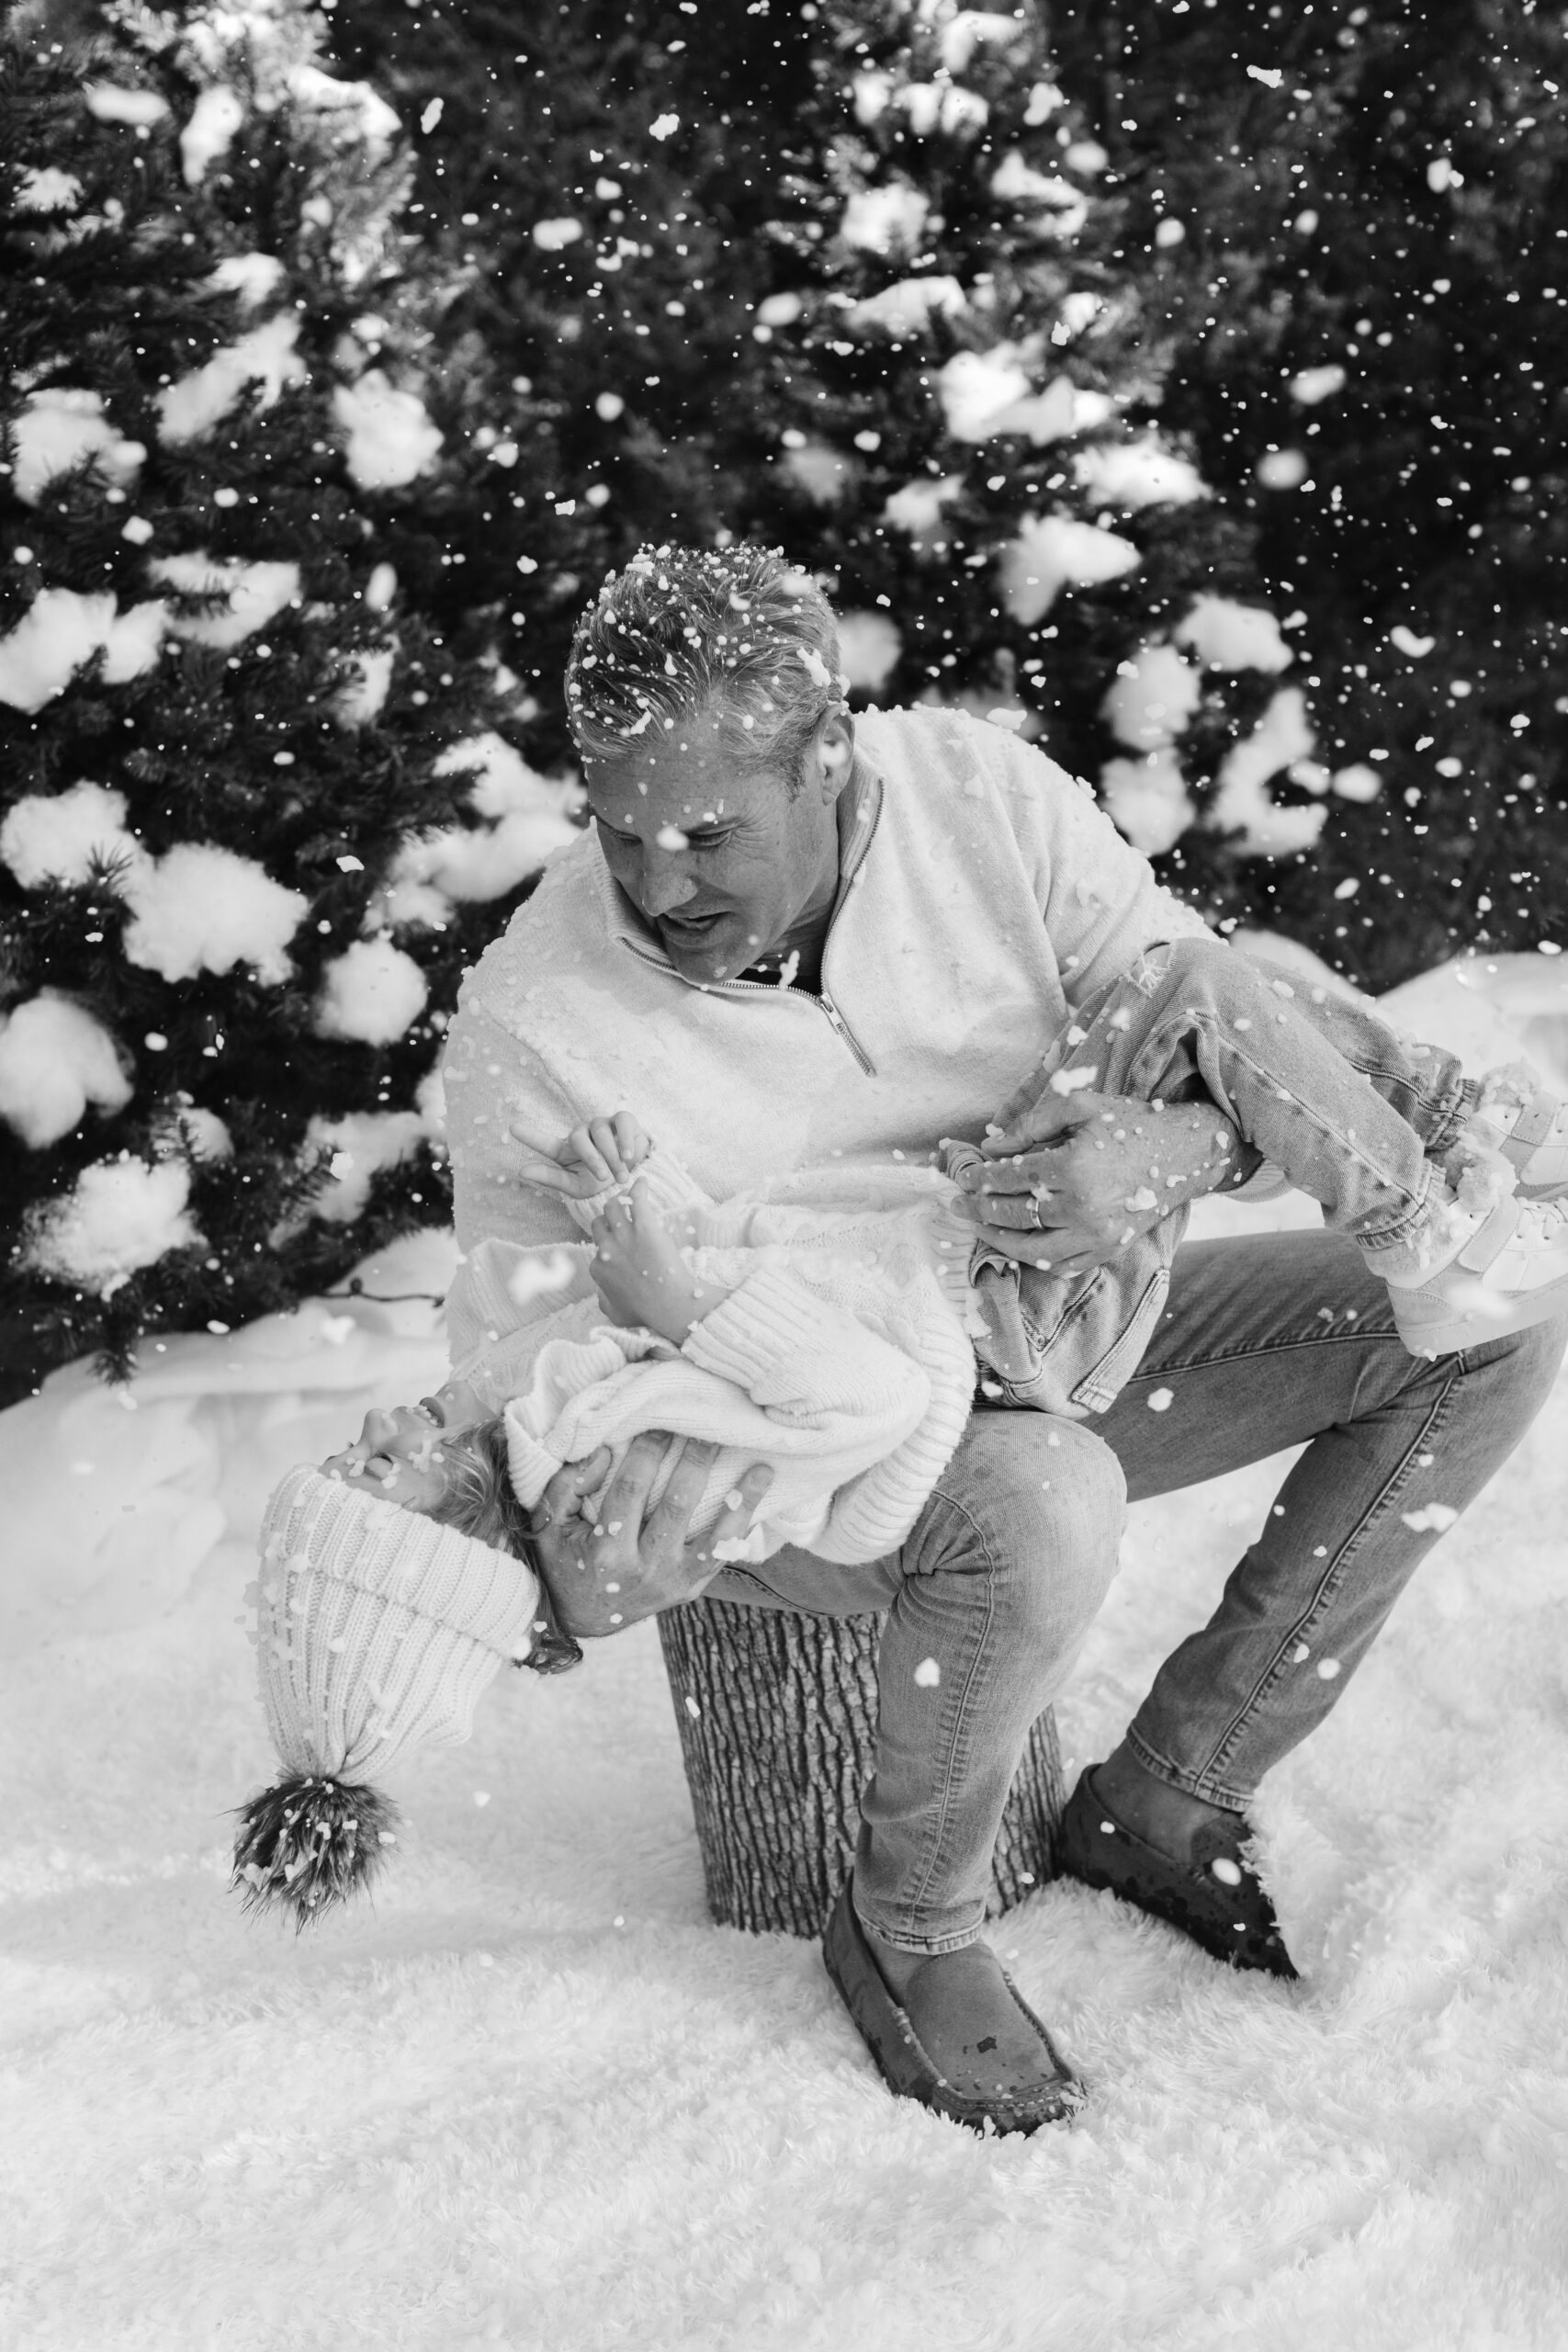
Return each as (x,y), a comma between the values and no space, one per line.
(672,1193)
(745,1336)
(531,1464)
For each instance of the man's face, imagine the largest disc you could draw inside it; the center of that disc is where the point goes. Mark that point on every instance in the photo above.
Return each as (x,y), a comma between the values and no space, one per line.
(723,861)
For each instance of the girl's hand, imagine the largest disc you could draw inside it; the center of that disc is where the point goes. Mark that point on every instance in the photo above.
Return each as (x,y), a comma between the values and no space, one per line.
(596,1154)
(639,1274)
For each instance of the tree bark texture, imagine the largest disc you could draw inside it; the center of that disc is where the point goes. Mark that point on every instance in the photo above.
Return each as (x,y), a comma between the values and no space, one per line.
(777,1716)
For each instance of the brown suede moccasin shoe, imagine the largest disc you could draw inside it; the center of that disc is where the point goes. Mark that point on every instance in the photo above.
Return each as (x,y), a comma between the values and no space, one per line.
(1218,1899)
(951,1995)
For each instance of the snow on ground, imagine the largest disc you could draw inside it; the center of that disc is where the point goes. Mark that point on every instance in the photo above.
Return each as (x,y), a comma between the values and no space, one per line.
(534,2099)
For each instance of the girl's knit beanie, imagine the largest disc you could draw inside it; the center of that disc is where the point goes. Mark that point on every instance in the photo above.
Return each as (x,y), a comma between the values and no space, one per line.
(377,1630)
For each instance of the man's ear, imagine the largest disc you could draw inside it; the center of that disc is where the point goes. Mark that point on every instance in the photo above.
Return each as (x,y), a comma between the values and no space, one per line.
(836,753)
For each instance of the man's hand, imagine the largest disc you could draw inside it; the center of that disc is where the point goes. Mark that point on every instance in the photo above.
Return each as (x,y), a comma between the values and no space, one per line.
(633,1561)
(1068,1181)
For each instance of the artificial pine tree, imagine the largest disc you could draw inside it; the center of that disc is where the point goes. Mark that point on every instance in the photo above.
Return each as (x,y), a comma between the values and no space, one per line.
(599,181)
(850,279)
(231,706)
(1363,304)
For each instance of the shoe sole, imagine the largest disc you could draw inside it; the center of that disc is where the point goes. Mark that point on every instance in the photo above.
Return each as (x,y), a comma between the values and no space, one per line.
(1137,1873)
(1432,1325)
(901,2060)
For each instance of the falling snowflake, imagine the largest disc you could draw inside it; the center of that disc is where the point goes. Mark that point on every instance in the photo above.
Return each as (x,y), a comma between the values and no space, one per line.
(1434,1518)
(927,1674)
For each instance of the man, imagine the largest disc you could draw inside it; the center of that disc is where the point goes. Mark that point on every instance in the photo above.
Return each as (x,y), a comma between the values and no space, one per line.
(789,941)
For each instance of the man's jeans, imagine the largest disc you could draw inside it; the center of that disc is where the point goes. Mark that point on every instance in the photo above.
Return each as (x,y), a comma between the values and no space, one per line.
(1354,1113)
(1265,1342)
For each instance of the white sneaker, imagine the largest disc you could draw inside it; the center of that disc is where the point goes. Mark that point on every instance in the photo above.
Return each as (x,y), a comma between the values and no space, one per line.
(1501,1272)
(1533,1135)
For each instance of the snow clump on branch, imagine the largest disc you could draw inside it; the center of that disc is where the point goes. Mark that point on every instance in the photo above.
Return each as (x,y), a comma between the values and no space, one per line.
(390,439)
(61,836)
(121,1215)
(203,909)
(371,994)
(55,1059)
(61,631)
(265,359)
(254,592)
(60,430)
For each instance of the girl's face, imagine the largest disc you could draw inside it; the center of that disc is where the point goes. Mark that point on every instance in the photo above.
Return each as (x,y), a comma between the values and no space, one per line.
(406,1454)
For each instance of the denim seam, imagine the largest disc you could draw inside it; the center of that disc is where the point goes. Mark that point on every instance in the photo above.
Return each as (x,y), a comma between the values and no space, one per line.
(1205,1783)
(1363,1328)
(956,1750)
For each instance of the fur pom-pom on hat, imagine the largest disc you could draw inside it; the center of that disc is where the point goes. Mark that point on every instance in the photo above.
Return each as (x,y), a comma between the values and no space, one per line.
(377,1630)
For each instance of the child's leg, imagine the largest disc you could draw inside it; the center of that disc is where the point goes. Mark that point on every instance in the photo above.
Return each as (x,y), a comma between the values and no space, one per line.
(1460,1269)
(1327,1092)
(1197,1023)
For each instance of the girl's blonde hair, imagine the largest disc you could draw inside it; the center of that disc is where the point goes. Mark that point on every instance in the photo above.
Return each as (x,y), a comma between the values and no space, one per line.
(480,1499)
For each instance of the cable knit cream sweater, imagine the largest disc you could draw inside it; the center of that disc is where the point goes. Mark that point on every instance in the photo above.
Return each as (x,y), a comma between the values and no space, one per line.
(839,1358)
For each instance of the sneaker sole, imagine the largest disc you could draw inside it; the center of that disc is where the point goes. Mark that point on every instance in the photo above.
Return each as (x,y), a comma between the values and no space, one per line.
(1431,1325)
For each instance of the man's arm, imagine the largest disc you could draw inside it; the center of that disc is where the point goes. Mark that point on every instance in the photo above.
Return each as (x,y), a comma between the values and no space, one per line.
(1099,900)
(490,1077)
(1077,1163)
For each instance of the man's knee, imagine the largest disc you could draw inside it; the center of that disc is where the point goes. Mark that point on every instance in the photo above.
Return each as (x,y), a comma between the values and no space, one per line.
(1034,1492)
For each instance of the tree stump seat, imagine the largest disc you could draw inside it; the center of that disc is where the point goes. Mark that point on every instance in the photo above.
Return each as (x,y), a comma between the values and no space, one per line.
(777,1713)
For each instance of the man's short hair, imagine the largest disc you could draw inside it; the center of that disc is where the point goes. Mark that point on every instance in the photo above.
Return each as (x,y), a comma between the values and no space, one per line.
(735,634)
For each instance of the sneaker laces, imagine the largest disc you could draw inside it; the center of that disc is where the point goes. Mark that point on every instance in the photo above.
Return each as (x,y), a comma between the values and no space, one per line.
(1542,1221)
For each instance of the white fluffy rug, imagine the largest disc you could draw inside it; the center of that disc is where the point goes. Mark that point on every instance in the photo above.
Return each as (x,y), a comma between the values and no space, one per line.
(535,2100)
